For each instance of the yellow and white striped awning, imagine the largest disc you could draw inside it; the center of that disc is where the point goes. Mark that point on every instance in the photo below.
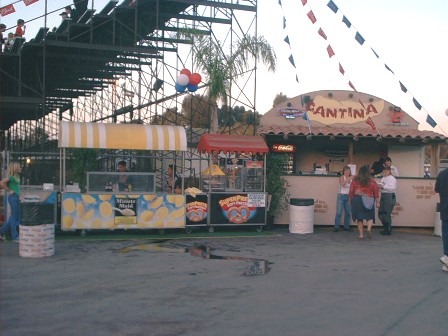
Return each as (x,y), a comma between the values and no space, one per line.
(121,136)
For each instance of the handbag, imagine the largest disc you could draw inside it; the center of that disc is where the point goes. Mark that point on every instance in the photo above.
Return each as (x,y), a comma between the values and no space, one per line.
(368,202)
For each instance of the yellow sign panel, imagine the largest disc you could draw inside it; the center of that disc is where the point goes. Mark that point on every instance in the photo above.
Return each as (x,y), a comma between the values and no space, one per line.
(330,111)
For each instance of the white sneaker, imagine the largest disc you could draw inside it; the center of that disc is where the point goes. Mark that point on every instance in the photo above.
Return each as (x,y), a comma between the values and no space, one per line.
(445,268)
(444,260)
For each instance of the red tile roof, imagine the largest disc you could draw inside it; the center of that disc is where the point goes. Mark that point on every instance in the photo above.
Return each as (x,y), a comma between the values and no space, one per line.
(350,131)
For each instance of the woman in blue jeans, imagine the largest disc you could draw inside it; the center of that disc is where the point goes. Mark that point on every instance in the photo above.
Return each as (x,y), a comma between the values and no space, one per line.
(11,184)
(343,201)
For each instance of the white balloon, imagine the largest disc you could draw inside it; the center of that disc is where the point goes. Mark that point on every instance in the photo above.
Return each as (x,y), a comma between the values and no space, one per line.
(183,79)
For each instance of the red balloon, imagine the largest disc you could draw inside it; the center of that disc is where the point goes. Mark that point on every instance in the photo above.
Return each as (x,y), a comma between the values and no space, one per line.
(195,79)
(185,72)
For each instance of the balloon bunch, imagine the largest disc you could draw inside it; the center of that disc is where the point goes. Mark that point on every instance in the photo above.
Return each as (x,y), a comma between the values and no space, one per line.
(187,81)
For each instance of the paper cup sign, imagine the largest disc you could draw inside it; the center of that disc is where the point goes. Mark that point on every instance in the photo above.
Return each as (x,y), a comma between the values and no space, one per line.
(187,81)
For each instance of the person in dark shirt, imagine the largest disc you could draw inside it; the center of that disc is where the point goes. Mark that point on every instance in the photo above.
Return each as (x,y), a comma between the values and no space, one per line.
(72,13)
(441,187)
(174,181)
(124,181)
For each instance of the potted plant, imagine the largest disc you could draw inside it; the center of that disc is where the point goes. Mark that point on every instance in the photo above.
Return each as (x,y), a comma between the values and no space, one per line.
(276,186)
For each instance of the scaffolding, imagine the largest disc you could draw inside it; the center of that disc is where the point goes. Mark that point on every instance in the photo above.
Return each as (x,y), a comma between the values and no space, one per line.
(119,64)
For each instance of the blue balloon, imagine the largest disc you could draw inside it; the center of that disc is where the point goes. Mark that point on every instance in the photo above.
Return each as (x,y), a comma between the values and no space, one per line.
(192,88)
(180,88)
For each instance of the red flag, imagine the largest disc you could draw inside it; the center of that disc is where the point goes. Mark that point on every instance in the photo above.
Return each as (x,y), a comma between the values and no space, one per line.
(330,51)
(29,2)
(351,85)
(321,33)
(369,122)
(7,10)
(341,69)
(311,16)
(304,2)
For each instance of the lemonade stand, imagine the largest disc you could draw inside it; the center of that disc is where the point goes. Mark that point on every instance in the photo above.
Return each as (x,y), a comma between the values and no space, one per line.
(142,206)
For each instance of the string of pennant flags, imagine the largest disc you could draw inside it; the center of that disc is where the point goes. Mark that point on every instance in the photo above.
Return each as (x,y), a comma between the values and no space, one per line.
(9,9)
(361,41)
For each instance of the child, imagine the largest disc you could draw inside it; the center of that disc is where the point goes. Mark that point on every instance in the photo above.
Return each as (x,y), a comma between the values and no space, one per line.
(9,42)
(20,30)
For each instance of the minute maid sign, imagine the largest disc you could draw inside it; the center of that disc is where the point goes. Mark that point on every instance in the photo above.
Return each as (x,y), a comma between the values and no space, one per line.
(330,111)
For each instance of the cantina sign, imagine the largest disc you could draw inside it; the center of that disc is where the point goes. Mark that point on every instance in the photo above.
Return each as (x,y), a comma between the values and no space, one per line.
(280,148)
(330,111)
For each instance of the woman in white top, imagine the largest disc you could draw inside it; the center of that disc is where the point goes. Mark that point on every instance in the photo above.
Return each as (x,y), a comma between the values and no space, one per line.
(343,202)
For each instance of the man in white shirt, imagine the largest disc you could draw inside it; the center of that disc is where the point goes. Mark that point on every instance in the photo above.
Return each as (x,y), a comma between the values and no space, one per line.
(388,186)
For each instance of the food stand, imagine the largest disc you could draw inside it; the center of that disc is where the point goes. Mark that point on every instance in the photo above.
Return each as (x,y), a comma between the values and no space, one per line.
(142,205)
(234,180)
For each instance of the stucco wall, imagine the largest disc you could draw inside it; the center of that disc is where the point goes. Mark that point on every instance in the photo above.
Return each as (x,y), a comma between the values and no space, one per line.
(416,200)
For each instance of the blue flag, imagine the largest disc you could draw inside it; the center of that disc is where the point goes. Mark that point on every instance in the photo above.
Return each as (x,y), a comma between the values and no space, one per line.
(359,38)
(417,104)
(332,6)
(346,21)
(431,121)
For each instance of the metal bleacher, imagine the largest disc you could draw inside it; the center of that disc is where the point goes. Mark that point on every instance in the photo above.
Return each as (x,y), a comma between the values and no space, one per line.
(78,57)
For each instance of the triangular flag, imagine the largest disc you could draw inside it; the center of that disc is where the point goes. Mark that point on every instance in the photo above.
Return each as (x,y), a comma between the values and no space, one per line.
(375,53)
(286,39)
(7,10)
(341,69)
(351,85)
(359,38)
(388,68)
(29,2)
(332,6)
(370,122)
(321,33)
(284,22)
(403,88)
(304,2)
(330,51)
(346,21)
(431,121)
(297,79)
(291,59)
(311,17)
(280,2)
(416,103)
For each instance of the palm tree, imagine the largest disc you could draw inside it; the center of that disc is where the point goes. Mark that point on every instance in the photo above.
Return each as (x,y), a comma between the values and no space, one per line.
(219,68)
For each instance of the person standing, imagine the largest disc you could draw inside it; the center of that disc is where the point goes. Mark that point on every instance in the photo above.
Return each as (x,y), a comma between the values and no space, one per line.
(388,186)
(441,187)
(364,186)
(20,29)
(2,39)
(343,202)
(11,184)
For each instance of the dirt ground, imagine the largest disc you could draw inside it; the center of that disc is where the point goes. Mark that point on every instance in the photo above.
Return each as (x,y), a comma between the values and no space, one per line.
(324,283)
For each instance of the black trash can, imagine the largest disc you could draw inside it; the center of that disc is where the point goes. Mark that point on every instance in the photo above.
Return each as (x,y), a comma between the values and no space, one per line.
(301,215)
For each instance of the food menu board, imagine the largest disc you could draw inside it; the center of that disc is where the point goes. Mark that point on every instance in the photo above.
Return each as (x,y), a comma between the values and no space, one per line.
(115,211)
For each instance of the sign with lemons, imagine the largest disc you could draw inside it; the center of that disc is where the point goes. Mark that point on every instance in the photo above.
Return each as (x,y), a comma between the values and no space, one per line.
(110,211)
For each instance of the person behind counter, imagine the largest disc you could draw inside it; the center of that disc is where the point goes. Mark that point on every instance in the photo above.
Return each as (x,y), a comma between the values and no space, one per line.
(124,181)
(393,169)
(11,184)
(174,181)
(343,202)
(364,186)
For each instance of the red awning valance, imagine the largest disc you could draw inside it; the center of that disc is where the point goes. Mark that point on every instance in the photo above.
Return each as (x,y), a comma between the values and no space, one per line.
(232,143)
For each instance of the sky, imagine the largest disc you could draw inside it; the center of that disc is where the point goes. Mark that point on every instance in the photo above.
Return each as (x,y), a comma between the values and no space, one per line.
(409,37)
